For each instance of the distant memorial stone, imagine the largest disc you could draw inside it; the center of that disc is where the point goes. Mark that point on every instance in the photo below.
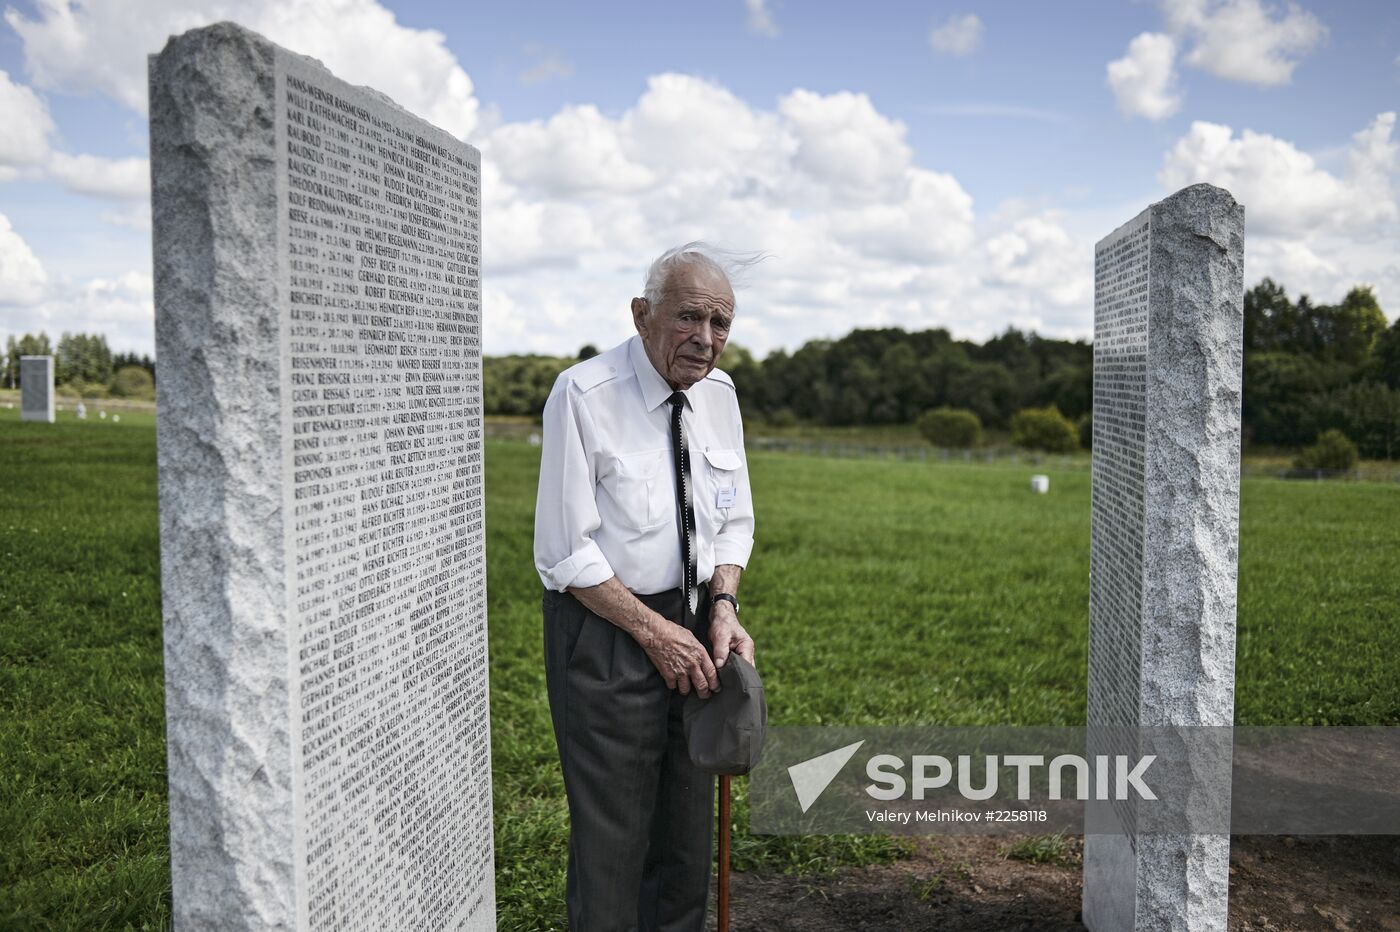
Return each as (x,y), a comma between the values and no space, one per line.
(1168,323)
(320,453)
(36,388)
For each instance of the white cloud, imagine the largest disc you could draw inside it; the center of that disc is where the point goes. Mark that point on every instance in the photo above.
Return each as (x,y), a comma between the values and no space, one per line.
(121,179)
(577,204)
(1283,188)
(25,141)
(1295,263)
(102,46)
(546,65)
(933,221)
(22,278)
(25,149)
(576,151)
(1316,231)
(1039,257)
(1245,40)
(845,145)
(120,307)
(761,18)
(1326,268)
(958,35)
(860,235)
(135,216)
(527,236)
(1144,80)
(697,131)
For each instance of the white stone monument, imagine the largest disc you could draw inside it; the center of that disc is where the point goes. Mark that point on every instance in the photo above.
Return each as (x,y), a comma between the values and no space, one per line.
(1168,324)
(36,388)
(322,547)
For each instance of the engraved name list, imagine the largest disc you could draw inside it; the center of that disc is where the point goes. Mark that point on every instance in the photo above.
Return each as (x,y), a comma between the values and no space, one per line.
(382,344)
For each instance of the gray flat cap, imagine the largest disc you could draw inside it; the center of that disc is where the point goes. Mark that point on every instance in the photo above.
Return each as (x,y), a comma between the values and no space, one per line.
(725,732)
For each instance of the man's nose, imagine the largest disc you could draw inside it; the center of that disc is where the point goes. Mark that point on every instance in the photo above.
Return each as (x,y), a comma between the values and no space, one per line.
(703,334)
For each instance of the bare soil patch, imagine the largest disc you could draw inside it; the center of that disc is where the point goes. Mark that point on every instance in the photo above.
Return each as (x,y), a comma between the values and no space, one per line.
(968,884)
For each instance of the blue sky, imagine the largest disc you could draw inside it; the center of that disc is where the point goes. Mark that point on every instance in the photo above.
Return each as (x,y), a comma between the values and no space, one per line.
(906,164)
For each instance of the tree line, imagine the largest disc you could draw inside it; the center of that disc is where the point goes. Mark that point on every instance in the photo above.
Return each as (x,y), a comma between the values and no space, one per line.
(886,376)
(1308,368)
(84,366)
(1313,368)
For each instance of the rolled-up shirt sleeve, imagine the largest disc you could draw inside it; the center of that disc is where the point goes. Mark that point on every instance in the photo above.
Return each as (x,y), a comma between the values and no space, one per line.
(734,542)
(566,512)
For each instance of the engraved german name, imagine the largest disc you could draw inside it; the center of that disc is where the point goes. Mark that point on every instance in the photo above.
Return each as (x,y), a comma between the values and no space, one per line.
(323,546)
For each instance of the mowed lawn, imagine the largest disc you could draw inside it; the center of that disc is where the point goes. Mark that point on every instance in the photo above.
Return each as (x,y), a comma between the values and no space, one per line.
(880,592)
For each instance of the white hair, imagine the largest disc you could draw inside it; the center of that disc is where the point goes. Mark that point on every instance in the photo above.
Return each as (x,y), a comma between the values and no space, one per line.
(730,264)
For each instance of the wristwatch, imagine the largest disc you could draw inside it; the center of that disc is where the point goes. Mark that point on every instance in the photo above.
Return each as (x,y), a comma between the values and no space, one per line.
(726,597)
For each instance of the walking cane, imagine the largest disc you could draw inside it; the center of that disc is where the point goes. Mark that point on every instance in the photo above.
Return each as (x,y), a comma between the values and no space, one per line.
(723,923)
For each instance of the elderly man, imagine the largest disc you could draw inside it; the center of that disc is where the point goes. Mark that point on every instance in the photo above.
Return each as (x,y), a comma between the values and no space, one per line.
(643,525)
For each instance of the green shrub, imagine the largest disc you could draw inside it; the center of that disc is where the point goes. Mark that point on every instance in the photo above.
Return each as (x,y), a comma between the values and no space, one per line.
(133,382)
(77,388)
(1086,431)
(783,417)
(1332,451)
(950,427)
(1044,429)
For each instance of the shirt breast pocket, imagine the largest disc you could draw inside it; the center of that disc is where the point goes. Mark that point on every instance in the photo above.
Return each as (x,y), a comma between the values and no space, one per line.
(722,474)
(641,486)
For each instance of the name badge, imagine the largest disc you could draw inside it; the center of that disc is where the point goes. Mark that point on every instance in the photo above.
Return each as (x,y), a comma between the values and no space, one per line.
(725,498)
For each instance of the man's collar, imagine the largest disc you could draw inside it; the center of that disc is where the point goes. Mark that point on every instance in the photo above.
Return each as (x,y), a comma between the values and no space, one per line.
(655,391)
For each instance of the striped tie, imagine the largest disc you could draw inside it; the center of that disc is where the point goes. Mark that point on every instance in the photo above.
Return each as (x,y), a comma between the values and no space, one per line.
(685,503)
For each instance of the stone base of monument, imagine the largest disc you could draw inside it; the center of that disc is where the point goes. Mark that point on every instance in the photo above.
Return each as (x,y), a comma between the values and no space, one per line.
(1168,349)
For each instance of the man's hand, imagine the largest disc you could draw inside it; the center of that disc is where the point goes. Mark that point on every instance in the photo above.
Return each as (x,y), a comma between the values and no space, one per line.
(679,658)
(727,635)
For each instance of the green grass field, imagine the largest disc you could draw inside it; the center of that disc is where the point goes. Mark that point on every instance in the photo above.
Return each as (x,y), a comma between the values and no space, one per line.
(880,592)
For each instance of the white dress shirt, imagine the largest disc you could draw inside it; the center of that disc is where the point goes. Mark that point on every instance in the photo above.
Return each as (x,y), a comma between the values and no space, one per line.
(607,498)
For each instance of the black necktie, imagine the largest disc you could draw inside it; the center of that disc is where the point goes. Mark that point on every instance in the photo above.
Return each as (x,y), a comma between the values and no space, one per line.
(685,502)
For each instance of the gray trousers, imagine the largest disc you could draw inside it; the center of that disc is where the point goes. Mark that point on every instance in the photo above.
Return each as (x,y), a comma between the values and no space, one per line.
(640,814)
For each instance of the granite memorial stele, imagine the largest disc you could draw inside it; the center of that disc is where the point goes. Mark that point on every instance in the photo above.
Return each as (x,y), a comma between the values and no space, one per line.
(1168,351)
(36,388)
(318,324)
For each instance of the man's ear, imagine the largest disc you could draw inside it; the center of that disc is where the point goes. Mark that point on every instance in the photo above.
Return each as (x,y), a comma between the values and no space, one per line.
(639,314)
